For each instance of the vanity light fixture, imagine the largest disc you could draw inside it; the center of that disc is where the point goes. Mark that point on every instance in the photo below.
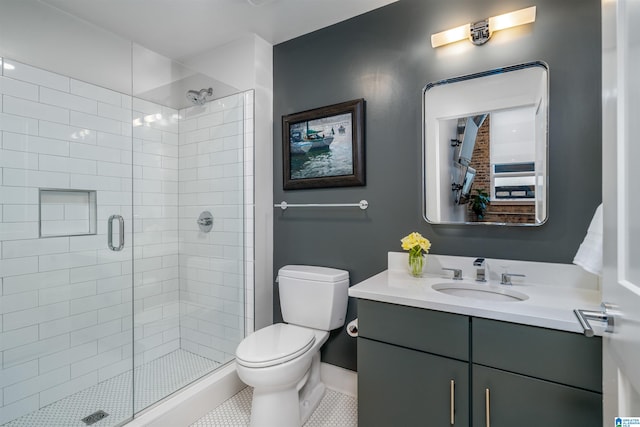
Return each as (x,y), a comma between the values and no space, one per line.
(480,32)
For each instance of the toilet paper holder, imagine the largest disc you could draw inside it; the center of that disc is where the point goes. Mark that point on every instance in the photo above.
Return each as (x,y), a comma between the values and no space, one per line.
(352,328)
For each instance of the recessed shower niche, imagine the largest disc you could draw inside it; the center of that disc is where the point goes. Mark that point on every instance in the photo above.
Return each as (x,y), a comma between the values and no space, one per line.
(65,212)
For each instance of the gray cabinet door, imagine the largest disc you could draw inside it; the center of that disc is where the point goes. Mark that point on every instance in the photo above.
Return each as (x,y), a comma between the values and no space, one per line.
(402,387)
(518,400)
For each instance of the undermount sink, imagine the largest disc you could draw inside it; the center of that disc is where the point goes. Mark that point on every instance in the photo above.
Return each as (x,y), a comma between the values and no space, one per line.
(480,291)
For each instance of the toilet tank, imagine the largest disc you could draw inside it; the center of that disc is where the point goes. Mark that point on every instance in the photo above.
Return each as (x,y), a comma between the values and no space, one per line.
(314,297)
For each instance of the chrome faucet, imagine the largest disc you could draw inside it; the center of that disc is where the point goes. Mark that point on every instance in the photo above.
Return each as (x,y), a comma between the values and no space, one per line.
(481,270)
(505,278)
(457,273)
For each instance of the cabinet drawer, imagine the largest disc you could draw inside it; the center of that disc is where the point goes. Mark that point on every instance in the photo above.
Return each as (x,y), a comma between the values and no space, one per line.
(434,332)
(562,357)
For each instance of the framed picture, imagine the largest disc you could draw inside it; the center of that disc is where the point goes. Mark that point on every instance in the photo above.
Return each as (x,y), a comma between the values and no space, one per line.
(324,147)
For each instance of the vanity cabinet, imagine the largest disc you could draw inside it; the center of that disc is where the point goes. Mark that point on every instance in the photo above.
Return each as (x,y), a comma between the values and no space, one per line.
(524,375)
(413,367)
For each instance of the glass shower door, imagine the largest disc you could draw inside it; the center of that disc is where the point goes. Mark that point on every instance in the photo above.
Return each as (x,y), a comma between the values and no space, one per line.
(66,302)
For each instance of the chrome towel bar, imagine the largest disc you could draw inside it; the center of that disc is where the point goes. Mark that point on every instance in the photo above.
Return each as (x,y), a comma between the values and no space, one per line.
(362,204)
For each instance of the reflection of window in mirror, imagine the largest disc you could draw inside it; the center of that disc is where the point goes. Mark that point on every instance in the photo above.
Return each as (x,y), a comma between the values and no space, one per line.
(503,158)
(512,154)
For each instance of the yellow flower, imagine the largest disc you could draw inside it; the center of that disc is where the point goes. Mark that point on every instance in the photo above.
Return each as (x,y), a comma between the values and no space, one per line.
(415,242)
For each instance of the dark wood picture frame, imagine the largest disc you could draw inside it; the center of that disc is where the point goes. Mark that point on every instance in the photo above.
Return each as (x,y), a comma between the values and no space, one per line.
(300,146)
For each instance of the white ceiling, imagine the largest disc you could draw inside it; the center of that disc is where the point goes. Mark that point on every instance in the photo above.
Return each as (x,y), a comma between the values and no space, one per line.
(183,28)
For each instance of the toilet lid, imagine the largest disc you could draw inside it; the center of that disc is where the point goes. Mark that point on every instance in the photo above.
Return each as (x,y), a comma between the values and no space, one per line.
(273,345)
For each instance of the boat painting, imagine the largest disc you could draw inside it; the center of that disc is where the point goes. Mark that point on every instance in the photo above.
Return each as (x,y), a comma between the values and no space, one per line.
(300,147)
(316,138)
(329,152)
(324,147)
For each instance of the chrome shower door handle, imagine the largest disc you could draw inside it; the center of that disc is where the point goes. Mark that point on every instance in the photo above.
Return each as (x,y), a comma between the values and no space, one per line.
(120,233)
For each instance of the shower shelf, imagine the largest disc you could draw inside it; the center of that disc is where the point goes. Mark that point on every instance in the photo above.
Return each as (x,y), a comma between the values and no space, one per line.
(67,212)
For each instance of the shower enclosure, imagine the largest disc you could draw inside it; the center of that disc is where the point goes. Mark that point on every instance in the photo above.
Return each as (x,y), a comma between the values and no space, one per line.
(125,240)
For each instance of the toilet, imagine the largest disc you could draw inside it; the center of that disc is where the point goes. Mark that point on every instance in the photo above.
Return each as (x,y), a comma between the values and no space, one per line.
(282,361)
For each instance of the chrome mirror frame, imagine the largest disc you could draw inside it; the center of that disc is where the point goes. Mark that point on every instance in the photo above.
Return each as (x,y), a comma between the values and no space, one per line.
(427,162)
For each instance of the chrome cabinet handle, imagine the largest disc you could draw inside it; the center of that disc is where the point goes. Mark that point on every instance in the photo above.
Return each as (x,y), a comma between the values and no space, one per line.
(453,402)
(120,233)
(487,408)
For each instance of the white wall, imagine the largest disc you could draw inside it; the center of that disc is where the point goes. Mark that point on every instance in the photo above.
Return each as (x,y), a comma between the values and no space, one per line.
(263,212)
(45,37)
(232,63)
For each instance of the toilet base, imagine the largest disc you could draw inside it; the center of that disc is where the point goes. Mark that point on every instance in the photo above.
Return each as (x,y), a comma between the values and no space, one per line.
(289,407)
(275,408)
(312,392)
(308,405)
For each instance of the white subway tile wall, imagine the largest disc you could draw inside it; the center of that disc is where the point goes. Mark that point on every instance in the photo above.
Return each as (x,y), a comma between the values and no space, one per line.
(211,178)
(156,317)
(66,213)
(68,312)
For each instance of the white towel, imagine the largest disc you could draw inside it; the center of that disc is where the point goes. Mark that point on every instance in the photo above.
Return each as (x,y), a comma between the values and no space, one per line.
(589,255)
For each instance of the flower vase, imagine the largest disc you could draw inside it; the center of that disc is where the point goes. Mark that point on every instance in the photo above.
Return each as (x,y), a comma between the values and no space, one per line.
(417,262)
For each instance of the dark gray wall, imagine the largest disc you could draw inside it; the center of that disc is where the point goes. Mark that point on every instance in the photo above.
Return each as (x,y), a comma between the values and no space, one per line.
(385,57)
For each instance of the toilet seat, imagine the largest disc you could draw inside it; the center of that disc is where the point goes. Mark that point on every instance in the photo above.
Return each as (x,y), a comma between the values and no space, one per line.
(274,345)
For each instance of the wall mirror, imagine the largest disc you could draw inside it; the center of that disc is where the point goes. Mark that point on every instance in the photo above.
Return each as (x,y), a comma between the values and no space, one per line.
(485,147)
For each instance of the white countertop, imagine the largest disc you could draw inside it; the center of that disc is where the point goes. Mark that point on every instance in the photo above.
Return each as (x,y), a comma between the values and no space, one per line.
(547,306)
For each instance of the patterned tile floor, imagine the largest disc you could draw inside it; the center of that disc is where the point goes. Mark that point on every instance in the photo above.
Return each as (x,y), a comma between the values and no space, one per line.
(335,410)
(153,381)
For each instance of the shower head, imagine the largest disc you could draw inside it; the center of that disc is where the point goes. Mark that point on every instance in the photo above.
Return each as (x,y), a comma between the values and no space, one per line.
(199,97)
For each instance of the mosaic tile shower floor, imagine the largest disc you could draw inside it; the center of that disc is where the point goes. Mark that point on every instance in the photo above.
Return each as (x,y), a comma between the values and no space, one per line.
(153,381)
(335,410)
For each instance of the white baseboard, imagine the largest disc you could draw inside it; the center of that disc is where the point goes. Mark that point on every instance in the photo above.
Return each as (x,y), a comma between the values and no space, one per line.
(194,402)
(339,379)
